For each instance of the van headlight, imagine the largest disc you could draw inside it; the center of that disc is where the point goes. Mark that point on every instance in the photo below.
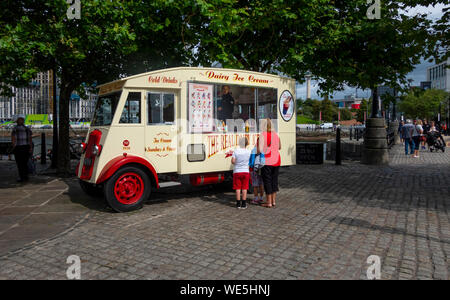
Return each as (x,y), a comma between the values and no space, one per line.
(82,148)
(96,150)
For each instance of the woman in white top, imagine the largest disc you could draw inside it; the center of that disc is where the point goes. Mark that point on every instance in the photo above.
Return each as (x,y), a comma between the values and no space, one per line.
(417,133)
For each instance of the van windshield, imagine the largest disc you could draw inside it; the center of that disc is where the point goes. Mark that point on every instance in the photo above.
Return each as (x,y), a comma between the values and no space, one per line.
(105,109)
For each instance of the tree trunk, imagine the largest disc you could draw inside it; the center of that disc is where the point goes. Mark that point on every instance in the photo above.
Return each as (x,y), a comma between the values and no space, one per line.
(375,103)
(63,147)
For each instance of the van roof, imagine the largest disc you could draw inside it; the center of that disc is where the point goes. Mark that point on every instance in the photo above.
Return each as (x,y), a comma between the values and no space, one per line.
(190,68)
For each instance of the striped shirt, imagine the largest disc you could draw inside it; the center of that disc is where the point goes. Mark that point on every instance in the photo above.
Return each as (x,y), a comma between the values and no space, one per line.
(22,135)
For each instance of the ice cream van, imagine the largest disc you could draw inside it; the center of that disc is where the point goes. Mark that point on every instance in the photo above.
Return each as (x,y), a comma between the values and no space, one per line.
(179,125)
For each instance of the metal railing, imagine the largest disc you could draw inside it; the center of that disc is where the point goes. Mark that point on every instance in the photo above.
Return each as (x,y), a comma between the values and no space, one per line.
(356,133)
(390,137)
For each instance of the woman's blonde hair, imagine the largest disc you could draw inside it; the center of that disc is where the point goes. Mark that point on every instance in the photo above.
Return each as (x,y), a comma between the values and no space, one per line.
(243,142)
(268,125)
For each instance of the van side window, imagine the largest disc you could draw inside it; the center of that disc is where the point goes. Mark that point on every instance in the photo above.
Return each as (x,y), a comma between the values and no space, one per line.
(131,113)
(161,108)
(168,108)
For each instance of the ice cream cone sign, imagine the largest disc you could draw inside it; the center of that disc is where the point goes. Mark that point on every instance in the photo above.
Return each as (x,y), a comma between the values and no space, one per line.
(286,104)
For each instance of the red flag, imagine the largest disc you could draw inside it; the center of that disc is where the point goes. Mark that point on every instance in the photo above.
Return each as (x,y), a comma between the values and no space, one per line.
(320,116)
(339,115)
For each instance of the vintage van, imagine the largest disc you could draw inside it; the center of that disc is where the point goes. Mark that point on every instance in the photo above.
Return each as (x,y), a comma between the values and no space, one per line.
(179,124)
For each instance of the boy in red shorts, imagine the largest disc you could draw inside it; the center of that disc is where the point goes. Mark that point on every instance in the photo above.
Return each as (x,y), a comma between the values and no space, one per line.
(241,174)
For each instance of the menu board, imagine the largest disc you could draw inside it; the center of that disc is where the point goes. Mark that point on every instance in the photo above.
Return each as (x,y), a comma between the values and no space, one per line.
(201,107)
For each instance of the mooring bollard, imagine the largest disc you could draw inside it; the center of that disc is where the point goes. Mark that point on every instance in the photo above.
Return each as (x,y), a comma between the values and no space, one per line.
(338,147)
(43,150)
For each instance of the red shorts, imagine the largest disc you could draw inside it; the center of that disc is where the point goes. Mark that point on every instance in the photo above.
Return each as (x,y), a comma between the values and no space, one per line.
(240,181)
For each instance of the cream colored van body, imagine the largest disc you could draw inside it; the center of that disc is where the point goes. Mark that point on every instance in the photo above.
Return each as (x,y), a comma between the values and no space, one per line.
(179,147)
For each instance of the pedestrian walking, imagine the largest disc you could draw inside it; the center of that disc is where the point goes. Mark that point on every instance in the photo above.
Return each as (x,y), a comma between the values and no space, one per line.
(400,126)
(417,133)
(21,137)
(407,131)
(257,161)
(241,175)
(270,145)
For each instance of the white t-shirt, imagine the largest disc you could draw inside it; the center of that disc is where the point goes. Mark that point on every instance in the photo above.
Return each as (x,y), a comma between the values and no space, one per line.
(242,157)
(417,129)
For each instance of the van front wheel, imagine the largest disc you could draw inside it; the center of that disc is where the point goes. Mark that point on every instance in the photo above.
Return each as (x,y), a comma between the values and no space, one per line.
(127,189)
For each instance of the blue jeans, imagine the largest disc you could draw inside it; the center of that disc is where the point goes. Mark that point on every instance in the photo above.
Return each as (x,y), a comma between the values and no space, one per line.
(409,142)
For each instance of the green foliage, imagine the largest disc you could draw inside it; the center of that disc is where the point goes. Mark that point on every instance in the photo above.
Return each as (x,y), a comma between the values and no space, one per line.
(306,120)
(346,114)
(311,109)
(333,39)
(111,39)
(423,105)
(363,109)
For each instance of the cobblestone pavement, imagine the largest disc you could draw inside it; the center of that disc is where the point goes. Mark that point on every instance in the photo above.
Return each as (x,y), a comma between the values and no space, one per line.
(328,220)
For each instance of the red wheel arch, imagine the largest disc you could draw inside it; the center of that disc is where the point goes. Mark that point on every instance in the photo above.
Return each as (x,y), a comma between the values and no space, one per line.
(116,163)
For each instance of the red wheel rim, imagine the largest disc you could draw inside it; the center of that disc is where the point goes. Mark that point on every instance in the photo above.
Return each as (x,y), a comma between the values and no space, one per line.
(129,188)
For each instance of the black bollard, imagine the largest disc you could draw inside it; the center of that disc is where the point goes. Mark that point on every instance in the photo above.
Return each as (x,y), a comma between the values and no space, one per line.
(43,150)
(338,147)
(351,132)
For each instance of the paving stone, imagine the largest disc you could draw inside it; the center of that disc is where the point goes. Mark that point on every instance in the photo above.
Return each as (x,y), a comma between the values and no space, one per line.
(328,220)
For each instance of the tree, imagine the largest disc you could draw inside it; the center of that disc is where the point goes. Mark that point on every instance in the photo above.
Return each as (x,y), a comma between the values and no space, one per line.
(307,109)
(423,105)
(109,39)
(363,111)
(346,114)
(333,39)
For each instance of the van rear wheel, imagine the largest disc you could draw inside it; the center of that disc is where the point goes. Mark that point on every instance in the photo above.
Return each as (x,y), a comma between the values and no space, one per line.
(127,189)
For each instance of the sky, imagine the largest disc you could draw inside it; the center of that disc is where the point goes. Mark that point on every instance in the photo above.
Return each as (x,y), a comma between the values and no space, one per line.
(417,75)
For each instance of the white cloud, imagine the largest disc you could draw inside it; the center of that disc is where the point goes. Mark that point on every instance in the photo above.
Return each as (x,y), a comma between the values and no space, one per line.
(433,12)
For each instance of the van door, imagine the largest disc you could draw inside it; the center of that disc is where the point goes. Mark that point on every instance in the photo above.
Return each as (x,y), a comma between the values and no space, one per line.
(161,130)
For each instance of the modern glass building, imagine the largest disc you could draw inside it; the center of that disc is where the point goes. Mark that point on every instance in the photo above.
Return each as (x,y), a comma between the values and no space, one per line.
(439,76)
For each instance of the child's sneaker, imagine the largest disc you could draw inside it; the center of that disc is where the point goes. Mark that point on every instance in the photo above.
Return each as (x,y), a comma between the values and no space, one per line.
(255,200)
(243,204)
(238,204)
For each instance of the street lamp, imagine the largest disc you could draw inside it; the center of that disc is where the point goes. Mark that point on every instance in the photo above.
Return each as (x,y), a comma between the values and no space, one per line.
(308,76)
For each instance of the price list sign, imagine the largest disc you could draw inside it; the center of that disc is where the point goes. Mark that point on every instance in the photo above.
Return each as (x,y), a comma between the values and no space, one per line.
(201,107)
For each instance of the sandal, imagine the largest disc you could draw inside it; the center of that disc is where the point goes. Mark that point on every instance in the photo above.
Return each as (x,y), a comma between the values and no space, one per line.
(266,205)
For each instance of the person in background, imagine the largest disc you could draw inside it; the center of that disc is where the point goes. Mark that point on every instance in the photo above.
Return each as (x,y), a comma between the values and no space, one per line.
(21,138)
(270,146)
(433,127)
(400,126)
(256,163)
(241,175)
(417,133)
(226,108)
(407,131)
(426,129)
